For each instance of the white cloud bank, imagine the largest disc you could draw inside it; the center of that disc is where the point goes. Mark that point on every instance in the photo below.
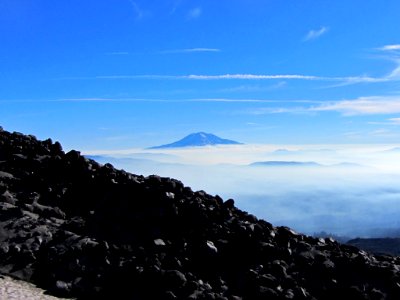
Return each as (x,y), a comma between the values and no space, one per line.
(344,199)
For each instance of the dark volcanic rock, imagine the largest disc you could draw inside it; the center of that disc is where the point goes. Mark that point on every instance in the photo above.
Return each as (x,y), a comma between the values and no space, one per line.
(378,245)
(80,229)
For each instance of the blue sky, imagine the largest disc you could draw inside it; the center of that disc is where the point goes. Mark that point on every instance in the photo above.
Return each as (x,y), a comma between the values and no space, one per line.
(118,74)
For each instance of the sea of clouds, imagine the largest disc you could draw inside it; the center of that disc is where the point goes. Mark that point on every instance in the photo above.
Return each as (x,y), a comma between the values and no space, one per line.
(349,190)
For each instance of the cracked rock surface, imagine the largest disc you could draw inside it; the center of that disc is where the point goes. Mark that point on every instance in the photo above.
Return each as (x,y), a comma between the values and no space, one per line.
(80,229)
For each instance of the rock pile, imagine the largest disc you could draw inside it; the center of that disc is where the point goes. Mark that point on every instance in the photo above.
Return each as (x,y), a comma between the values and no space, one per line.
(389,246)
(80,229)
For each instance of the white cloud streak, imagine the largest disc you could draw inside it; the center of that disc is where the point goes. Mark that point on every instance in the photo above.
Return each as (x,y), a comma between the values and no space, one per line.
(314,34)
(201,50)
(394,75)
(373,105)
(279,110)
(363,106)
(217,100)
(191,50)
(252,77)
(392,53)
(393,47)
(220,77)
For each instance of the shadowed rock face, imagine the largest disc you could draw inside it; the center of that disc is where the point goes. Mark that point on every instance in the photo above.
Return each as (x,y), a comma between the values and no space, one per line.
(80,229)
(389,246)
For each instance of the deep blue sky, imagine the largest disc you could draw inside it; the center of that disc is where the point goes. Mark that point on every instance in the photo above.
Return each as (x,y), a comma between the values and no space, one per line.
(118,74)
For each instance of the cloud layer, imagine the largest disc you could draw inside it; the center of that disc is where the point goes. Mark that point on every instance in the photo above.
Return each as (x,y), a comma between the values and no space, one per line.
(347,199)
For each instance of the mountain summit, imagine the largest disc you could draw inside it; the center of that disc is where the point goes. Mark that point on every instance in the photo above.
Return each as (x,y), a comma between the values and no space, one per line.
(198,139)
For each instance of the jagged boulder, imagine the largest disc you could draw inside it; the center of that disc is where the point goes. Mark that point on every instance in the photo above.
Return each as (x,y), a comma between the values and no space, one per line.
(85,230)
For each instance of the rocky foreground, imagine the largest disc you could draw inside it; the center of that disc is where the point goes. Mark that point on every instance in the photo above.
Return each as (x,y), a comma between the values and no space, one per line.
(11,289)
(80,229)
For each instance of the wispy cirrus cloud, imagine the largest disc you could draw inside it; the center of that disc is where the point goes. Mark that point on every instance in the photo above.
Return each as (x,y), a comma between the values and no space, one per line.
(395,74)
(345,81)
(192,50)
(253,76)
(373,105)
(339,81)
(217,100)
(315,33)
(363,106)
(219,77)
(393,47)
(201,50)
(392,53)
(388,52)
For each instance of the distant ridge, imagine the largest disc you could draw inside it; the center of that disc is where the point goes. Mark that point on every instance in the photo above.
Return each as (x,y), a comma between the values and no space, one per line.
(197,140)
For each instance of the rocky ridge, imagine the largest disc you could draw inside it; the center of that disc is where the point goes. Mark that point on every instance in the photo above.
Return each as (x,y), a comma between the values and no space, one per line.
(389,246)
(80,229)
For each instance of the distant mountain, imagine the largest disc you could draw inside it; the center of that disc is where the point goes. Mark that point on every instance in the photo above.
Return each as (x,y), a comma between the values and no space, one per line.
(198,139)
(285,164)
